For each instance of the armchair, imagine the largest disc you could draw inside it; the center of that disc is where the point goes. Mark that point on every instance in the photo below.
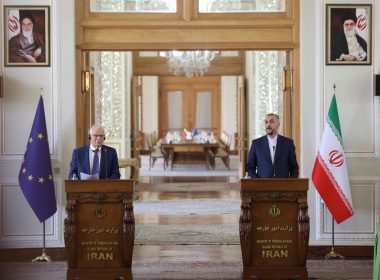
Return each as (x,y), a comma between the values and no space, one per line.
(223,151)
(155,151)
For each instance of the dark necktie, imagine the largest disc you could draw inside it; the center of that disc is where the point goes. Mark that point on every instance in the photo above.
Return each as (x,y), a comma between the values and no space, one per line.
(95,163)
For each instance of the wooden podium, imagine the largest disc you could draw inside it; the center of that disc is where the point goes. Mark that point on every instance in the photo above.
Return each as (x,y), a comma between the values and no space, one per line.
(274,228)
(99,229)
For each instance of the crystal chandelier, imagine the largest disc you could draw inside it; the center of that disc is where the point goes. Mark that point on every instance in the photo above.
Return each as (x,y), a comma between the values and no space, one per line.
(190,63)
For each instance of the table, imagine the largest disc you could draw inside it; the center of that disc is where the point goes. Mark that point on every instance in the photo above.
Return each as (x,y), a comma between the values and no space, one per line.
(185,152)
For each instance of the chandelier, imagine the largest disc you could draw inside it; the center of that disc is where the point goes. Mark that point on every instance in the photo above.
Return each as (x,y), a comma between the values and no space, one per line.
(190,63)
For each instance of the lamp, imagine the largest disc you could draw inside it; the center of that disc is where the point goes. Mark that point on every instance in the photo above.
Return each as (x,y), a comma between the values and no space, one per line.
(85,81)
(190,63)
(287,79)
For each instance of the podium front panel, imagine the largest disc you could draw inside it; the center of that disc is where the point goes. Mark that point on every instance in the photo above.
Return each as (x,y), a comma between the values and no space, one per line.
(99,229)
(274,227)
(99,235)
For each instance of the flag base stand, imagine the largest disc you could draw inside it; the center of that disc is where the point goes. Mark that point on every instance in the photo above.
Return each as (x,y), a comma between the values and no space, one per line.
(333,255)
(42,258)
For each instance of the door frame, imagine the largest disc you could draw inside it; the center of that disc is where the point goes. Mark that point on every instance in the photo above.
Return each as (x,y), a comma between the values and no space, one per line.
(187,29)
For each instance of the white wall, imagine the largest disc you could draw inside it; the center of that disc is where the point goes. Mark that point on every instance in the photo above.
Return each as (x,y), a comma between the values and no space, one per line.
(19,226)
(358,120)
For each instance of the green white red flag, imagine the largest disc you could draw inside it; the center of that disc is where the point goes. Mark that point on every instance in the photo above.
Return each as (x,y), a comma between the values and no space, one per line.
(330,176)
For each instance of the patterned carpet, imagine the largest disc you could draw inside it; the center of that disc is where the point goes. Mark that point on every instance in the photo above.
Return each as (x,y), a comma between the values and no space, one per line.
(187,234)
(231,270)
(189,187)
(194,170)
(188,207)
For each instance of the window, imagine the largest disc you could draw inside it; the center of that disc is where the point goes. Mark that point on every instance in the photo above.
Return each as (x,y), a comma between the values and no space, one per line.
(239,6)
(134,6)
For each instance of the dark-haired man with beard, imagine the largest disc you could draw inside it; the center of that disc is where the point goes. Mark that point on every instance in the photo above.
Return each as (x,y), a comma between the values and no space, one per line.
(348,45)
(27,46)
(272,155)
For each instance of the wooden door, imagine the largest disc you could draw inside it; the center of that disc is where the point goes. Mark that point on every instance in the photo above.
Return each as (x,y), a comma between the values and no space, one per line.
(189,103)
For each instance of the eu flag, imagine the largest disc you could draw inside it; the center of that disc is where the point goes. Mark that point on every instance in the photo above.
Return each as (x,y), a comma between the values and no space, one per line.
(36,176)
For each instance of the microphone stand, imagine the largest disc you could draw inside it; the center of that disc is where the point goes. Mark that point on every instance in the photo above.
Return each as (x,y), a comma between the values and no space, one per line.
(43,257)
(274,167)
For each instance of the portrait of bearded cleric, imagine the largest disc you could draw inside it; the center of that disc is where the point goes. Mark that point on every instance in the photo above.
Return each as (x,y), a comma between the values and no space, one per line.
(348,34)
(27,36)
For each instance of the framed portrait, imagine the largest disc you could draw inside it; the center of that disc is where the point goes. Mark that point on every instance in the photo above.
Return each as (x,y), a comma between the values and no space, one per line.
(348,34)
(27,36)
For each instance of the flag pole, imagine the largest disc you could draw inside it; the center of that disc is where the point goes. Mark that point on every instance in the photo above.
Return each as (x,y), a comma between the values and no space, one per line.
(43,257)
(37,184)
(332,253)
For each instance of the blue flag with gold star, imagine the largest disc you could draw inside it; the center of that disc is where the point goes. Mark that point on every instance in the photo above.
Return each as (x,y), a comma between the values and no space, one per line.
(36,176)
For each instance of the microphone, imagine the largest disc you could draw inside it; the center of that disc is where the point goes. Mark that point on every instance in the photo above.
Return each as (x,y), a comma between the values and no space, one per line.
(76,170)
(105,154)
(274,166)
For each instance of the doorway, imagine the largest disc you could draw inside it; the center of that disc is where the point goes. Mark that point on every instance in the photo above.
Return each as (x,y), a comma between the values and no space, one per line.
(133,107)
(188,28)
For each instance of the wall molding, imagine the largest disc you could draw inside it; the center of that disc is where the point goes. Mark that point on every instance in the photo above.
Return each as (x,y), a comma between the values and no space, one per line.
(355,235)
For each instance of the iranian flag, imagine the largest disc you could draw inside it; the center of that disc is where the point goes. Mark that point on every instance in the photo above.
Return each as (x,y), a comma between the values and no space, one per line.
(330,175)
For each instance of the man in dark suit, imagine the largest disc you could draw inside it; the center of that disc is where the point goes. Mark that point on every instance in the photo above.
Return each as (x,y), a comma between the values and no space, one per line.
(95,158)
(348,45)
(272,155)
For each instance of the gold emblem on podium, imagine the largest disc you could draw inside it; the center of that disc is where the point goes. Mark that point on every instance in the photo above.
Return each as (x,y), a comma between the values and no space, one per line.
(100,213)
(274,211)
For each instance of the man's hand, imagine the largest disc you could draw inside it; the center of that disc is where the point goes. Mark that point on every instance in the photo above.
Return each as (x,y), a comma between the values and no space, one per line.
(37,53)
(347,57)
(30,58)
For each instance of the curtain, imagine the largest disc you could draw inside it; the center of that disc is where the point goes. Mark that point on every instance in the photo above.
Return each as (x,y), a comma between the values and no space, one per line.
(175,110)
(203,110)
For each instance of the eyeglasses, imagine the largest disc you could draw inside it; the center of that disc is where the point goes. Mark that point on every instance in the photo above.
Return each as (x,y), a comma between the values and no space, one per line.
(98,135)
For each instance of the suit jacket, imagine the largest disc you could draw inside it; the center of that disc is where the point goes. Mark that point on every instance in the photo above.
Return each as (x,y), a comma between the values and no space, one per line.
(259,164)
(109,164)
(339,45)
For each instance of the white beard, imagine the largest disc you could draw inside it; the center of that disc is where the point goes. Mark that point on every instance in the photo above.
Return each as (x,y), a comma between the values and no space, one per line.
(349,33)
(353,45)
(29,36)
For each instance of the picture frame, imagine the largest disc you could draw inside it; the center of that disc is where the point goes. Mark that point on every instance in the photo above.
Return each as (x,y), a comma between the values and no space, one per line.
(348,34)
(27,36)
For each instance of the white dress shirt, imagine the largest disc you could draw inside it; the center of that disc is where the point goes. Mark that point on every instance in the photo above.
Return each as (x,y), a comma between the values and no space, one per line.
(272,146)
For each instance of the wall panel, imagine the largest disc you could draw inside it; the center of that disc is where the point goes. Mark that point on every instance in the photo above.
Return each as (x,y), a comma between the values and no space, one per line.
(20,226)
(360,227)
(354,93)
